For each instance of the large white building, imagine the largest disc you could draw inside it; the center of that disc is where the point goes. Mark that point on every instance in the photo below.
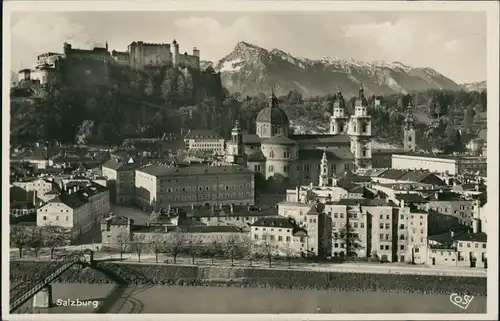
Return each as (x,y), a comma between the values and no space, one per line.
(453,165)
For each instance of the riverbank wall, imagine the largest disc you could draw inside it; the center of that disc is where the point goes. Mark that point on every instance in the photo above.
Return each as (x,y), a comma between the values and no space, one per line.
(114,272)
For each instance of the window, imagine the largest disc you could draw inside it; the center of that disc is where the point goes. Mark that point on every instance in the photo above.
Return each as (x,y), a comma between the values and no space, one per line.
(280,238)
(402,217)
(387,247)
(362,225)
(402,247)
(468,244)
(381,236)
(476,245)
(57,218)
(256,237)
(336,215)
(484,246)
(401,237)
(381,247)
(302,239)
(45,218)
(416,250)
(341,215)
(270,168)
(401,227)
(388,217)
(381,226)
(288,238)
(387,225)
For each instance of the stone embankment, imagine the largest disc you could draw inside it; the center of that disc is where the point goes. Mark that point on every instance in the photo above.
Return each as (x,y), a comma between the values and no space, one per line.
(113,272)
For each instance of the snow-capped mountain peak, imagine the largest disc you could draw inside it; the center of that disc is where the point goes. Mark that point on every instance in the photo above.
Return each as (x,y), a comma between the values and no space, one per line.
(251,69)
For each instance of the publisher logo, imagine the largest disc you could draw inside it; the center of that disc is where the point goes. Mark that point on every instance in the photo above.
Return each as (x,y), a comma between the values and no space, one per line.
(461,301)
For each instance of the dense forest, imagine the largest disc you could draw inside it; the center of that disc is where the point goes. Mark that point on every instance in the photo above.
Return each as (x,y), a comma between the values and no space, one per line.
(149,104)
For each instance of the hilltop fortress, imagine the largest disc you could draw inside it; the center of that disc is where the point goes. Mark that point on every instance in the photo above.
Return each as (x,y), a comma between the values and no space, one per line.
(73,64)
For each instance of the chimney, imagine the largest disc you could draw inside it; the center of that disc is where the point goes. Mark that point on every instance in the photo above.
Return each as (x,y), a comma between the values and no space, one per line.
(169,208)
(311,186)
(220,206)
(477,187)
(232,208)
(428,207)
(192,206)
(402,203)
(452,234)
(213,208)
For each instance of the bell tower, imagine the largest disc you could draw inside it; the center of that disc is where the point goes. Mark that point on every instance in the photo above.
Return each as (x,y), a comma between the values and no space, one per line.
(323,173)
(361,132)
(409,142)
(338,120)
(235,148)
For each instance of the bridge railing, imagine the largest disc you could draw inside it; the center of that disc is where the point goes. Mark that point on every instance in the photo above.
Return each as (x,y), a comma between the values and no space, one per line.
(24,291)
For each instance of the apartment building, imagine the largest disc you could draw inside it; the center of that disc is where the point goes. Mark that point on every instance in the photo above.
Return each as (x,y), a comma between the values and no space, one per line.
(449,203)
(382,229)
(279,236)
(310,217)
(120,176)
(458,250)
(158,186)
(76,209)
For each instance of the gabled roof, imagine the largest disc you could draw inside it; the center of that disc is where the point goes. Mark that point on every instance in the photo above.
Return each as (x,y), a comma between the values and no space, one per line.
(411,198)
(117,220)
(73,200)
(121,165)
(365,202)
(280,222)
(279,140)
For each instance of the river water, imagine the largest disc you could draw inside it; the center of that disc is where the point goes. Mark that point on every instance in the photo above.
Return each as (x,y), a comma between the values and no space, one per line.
(175,299)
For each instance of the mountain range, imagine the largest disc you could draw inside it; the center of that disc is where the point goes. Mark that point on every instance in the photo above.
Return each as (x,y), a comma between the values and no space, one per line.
(250,69)
(474,86)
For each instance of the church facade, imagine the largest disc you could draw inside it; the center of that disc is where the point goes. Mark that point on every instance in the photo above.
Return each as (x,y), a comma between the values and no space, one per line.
(300,159)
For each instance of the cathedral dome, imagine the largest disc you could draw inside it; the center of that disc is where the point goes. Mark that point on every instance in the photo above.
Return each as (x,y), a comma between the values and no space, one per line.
(273,114)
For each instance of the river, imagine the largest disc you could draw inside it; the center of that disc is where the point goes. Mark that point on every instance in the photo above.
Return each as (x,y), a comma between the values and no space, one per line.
(176,299)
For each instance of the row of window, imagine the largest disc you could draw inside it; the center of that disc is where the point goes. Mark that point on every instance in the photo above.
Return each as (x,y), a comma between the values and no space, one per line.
(204,188)
(201,197)
(57,218)
(468,244)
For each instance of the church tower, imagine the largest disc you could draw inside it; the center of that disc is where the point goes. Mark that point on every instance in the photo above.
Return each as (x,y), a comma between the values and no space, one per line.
(323,173)
(361,132)
(338,120)
(409,142)
(235,148)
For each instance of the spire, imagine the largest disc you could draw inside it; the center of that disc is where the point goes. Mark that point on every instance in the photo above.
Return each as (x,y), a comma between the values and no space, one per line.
(106,45)
(274,99)
(236,125)
(324,158)
(361,91)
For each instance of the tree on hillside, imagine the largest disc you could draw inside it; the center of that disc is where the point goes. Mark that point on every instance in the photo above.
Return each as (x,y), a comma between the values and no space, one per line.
(288,252)
(349,240)
(194,247)
(19,237)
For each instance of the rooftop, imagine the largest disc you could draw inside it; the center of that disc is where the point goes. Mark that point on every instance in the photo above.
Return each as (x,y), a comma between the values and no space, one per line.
(202,134)
(161,171)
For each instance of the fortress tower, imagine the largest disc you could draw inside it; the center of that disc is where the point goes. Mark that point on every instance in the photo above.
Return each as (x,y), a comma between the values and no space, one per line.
(338,120)
(361,132)
(409,143)
(323,175)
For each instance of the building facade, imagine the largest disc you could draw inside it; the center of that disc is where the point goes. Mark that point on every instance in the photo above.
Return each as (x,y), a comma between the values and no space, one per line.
(120,177)
(204,140)
(158,186)
(453,165)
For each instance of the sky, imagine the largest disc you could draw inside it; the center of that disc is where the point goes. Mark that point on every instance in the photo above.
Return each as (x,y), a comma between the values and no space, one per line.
(452,43)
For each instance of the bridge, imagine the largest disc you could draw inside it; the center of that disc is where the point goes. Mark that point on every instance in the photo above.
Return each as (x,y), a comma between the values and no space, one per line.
(24,291)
